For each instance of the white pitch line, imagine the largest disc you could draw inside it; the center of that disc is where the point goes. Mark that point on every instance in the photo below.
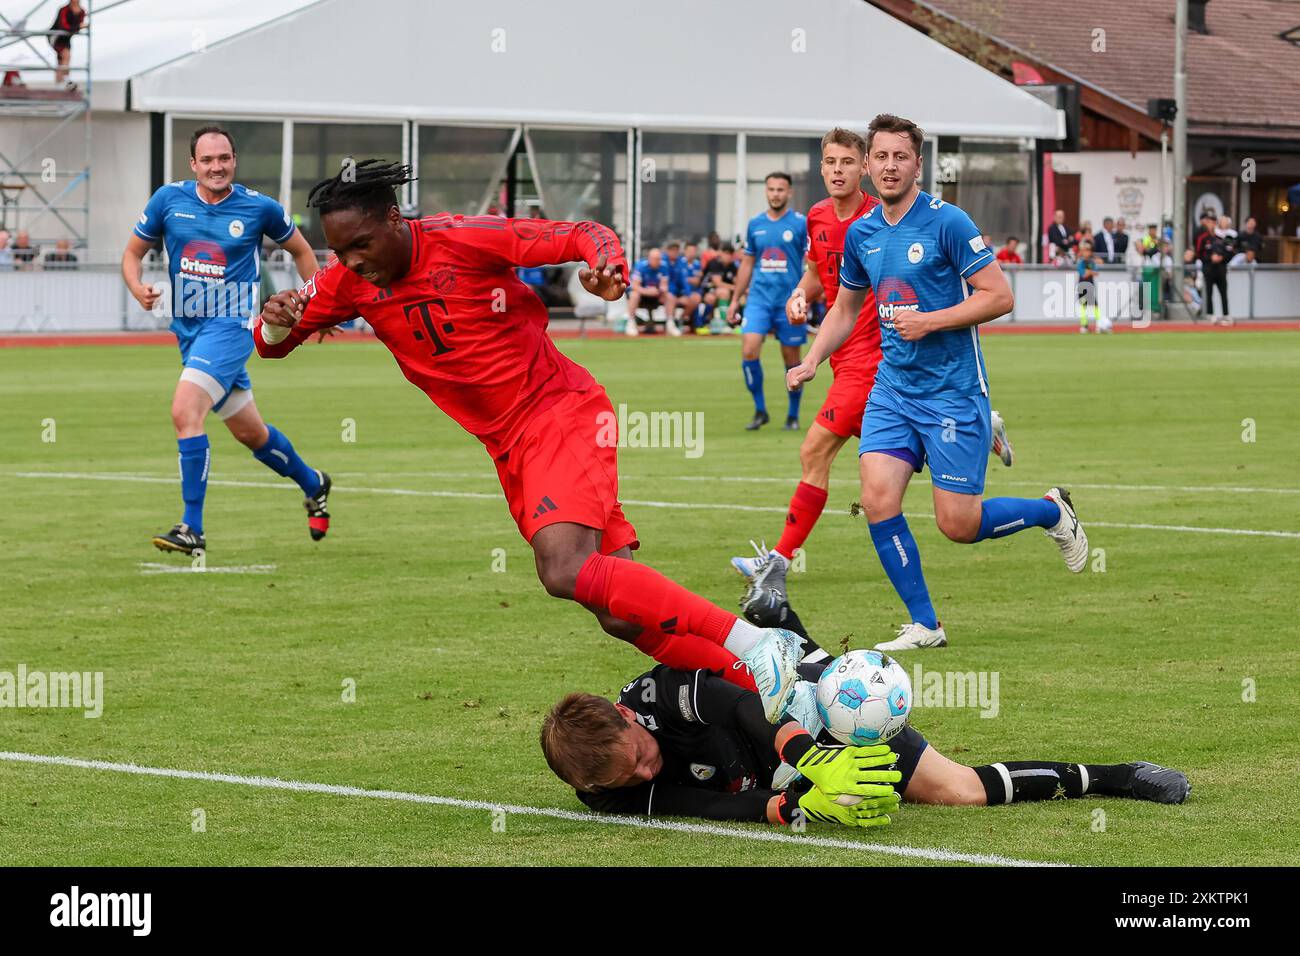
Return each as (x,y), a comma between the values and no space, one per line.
(676,505)
(154,567)
(1091,486)
(792,480)
(713,830)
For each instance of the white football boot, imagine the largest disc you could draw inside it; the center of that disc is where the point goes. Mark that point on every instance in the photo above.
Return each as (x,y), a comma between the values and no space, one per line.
(1068,533)
(914,637)
(748,567)
(774,661)
(803,708)
(1002,444)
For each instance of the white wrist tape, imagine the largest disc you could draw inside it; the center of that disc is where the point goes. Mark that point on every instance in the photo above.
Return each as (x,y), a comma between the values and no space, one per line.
(274,334)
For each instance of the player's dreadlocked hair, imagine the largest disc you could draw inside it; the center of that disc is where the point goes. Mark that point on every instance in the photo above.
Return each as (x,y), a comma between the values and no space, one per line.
(369,185)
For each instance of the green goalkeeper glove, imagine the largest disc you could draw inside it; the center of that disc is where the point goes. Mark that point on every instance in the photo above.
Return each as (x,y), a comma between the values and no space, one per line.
(836,770)
(870,812)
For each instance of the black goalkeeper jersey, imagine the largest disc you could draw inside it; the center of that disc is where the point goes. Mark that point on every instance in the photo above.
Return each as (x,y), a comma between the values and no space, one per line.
(719,751)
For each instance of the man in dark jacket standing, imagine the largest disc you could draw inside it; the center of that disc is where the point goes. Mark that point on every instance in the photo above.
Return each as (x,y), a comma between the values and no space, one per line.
(1220,247)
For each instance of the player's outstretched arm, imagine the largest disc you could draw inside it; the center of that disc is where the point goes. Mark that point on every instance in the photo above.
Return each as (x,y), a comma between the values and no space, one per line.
(837,325)
(605,280)
(289,318)
(538,242)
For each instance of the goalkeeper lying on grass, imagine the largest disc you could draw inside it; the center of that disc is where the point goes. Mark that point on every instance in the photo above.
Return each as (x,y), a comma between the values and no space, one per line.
(689,744)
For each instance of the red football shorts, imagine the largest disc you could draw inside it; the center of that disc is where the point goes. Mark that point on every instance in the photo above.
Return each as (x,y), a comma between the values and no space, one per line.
(846,400)
(564,467)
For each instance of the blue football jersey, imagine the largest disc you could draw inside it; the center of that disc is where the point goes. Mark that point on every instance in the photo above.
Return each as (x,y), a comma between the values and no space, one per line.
(650,276)
(213,249)
(778,247)
(921,264)
(684,270)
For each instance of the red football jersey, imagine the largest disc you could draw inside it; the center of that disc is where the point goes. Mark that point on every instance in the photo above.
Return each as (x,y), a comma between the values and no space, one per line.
(461,325)
(826,233)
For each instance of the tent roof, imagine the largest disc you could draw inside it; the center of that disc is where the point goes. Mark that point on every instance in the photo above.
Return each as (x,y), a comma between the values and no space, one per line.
(743,66)
(135,36)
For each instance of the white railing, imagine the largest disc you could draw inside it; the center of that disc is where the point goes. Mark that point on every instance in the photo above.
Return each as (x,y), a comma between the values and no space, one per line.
(1050,294)
(92,298)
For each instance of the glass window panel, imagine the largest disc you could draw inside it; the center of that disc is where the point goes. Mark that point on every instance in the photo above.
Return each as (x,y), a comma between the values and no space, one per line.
(992,182)
(798,156)
(458,165)
(318,153)
(689,188)
(257,152)
(583,174)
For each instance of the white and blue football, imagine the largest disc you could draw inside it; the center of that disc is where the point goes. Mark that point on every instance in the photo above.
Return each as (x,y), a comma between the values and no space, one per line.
(864,698)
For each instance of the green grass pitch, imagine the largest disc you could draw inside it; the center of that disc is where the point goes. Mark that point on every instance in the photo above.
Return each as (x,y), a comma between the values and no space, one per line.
(1182,650)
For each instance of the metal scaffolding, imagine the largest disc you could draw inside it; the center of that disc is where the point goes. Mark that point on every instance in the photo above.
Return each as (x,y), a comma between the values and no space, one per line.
(45,169)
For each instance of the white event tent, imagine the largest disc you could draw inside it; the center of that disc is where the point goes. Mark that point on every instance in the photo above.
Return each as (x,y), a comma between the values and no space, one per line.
(660,119)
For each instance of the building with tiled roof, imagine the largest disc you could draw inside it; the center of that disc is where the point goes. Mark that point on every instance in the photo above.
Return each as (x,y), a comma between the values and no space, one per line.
(1243,91)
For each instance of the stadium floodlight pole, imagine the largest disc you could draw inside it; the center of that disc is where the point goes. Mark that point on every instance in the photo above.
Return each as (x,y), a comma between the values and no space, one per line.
(1180,146)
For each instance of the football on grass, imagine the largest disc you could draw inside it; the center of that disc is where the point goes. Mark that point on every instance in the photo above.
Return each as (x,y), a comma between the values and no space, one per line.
(864,698)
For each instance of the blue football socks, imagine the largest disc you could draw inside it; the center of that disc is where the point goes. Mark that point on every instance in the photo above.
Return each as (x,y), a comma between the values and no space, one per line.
(795,396)
(1003,516)
(278,455)
(902,563)
(195,458)
(753,369)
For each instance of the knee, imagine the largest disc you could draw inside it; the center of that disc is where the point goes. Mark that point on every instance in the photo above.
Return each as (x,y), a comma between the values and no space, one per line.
(749,353)
(559,576)
(186,419)
(959,793)
(963,788)
(815,461)
(880,501)
(252,437)
(616,627)
(963,528)
(945,783)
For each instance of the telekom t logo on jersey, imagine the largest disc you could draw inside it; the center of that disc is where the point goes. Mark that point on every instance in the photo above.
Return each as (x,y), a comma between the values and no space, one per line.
(426,319)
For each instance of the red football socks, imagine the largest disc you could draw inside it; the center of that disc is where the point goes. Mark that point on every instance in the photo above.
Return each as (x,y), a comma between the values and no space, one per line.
(641,595)
(688,652)
(805,508)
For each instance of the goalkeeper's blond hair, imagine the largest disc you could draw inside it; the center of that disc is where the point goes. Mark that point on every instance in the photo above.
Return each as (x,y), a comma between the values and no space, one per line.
(579,737)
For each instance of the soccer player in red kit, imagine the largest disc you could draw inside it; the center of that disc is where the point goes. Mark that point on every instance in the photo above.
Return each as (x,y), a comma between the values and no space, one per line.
(854,367)
(441,293)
